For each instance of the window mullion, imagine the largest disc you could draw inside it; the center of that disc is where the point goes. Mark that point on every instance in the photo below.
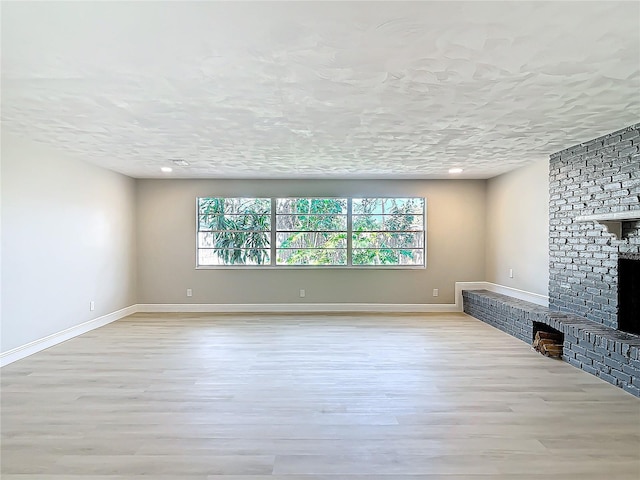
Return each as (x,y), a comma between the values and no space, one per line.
(273,231)
(349,233)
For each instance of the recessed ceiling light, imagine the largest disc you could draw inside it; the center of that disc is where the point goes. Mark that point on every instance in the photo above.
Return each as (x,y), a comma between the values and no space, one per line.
(166,169)
(455,170)
(180,163)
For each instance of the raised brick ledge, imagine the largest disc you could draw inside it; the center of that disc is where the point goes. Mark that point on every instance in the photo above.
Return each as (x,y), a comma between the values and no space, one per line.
(602,351)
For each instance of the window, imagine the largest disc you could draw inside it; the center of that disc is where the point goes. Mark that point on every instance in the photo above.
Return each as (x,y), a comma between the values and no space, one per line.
(338,232)
(388,231)
(234,231)
(311,231)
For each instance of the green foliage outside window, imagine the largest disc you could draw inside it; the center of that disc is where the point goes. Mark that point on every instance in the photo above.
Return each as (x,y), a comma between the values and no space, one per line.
(388,231)
(236,230)
(311,231)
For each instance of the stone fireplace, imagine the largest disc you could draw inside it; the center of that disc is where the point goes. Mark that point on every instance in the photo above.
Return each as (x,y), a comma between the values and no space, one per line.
(594,258)
(594,247)
(592,186)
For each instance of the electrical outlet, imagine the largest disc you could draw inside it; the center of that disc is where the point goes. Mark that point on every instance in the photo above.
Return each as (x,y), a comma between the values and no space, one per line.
(511,273)
(435,292)
(302,293)
(189,292)
(92,305)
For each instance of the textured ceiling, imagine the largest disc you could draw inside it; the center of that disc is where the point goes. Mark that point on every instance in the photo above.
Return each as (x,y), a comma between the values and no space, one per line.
(326,89)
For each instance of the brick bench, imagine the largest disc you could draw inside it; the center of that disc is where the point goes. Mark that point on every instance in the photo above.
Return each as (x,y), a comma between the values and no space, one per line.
(604,352)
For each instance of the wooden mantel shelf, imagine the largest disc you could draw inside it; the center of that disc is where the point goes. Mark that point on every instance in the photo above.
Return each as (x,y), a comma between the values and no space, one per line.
(612,222)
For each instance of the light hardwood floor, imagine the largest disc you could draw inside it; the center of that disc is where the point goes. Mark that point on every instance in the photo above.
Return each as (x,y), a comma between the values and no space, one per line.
(168,397)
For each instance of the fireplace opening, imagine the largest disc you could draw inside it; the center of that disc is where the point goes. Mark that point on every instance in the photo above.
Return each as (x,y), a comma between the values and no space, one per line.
(629,295)
(546,340)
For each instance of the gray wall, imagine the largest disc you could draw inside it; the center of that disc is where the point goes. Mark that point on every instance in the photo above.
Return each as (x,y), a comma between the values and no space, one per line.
(598,176)
(166,246)
(518,228)
(68,237)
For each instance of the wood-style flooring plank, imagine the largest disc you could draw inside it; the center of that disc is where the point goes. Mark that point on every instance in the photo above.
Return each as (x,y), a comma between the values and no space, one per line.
(310,397)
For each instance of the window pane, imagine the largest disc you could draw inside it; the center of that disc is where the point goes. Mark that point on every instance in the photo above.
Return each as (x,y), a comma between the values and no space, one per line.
(311,256)
(387,222)
(235,222)
(311,240)
(387,256)
(211,205)
(207,257)
(311,222)
(367,223)
(246,240)
(404,222)
(388,240)
(378,206)
(311,205)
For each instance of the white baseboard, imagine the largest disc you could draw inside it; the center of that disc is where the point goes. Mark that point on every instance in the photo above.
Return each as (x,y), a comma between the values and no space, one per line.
(521,294)
(30,348)
(296,308)
(460,286)
(494,287)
